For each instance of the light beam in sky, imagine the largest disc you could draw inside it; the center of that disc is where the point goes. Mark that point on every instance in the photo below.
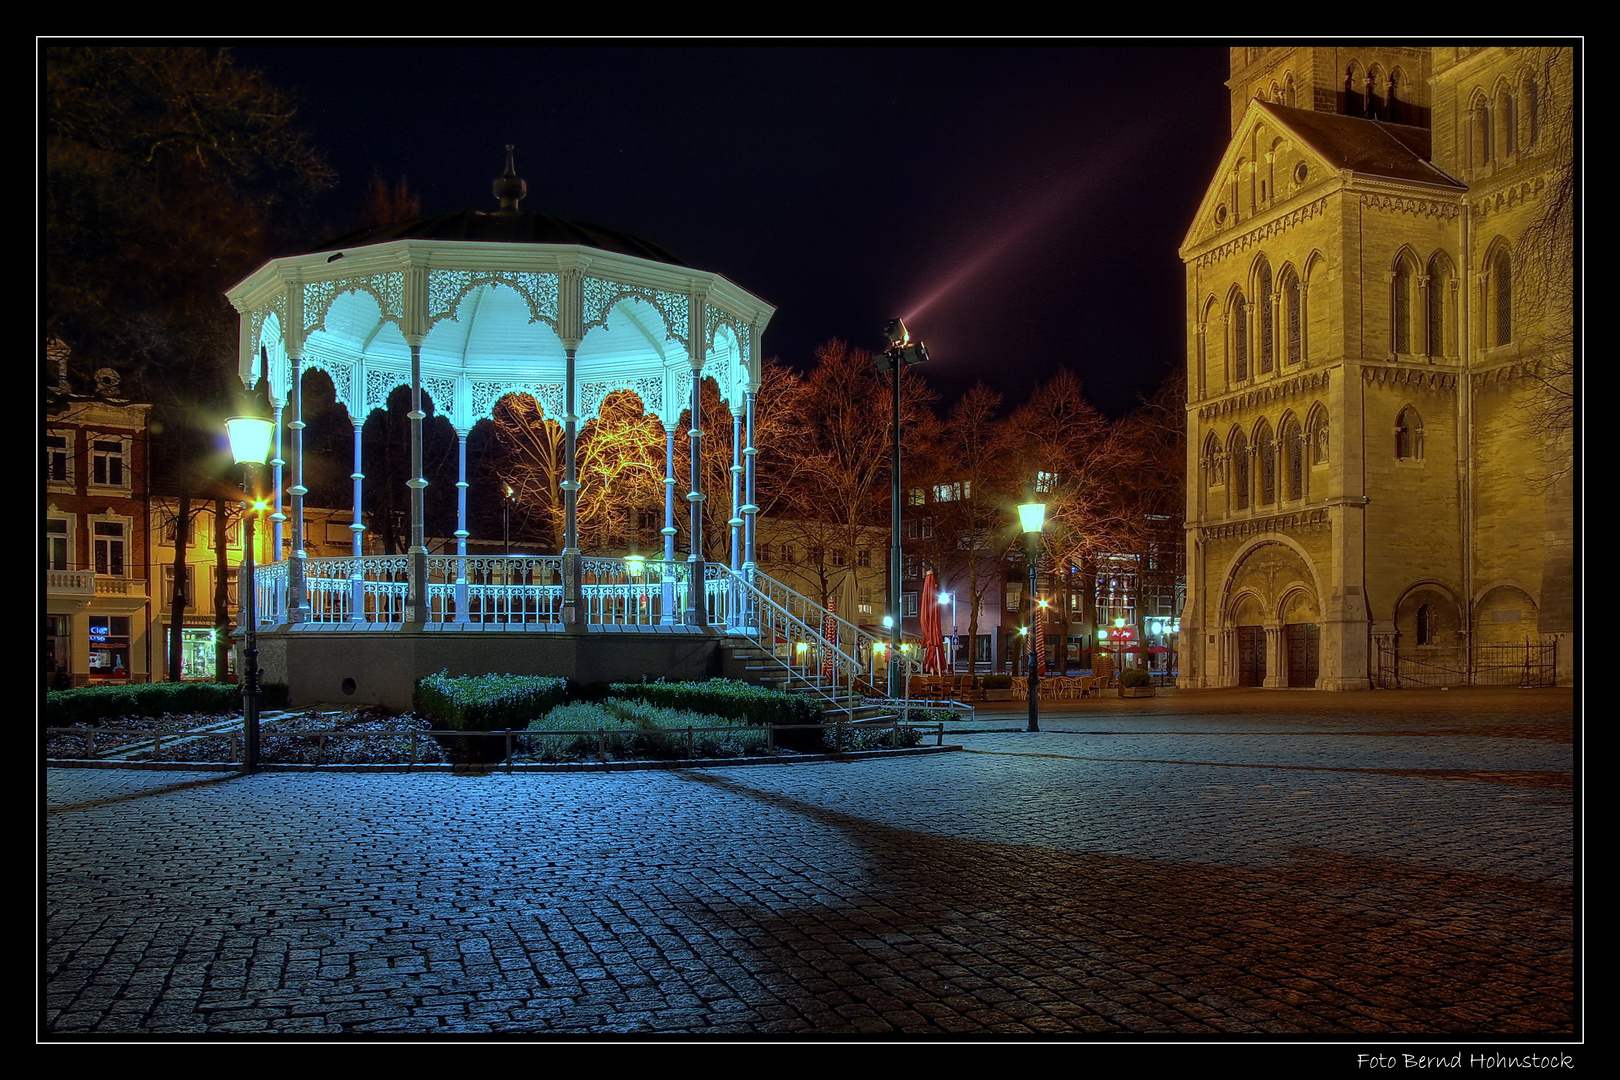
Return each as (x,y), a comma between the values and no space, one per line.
(1032,222)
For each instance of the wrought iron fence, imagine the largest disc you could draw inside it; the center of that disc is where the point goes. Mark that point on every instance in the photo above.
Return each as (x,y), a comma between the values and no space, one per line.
(1527,664)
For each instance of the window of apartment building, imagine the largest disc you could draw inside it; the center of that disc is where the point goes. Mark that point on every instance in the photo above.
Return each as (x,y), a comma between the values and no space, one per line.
(109,646)
(865,602)
(762,553)
(815,555)
(788,554)
(840,557)
(1045,483)
(956,492)
(914,496)
(108,538)
(908,605)
(109,465)
(171,527)
(863,557)
(58,544)
(190,586)
(58,457)
(230,586)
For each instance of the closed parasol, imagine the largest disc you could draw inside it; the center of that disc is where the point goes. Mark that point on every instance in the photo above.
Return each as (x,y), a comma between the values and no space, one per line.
(829,633)
(928,616)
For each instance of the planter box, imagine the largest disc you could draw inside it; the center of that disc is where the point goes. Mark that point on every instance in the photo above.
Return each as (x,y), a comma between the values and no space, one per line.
(998,695)
(1137,691)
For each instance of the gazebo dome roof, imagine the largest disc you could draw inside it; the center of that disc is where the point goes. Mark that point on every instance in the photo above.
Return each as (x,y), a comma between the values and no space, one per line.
(504,228)
(507,225)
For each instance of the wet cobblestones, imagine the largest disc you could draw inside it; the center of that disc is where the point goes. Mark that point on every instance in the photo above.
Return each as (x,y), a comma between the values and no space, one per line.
(1179,873)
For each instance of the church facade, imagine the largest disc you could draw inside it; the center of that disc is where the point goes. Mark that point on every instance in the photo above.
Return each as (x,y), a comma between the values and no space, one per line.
(1381,357)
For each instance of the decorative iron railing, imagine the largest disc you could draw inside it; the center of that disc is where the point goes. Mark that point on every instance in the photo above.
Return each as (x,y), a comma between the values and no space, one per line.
(823,650)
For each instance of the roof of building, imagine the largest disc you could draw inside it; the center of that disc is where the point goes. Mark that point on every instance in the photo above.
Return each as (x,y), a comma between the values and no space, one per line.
(1370,147)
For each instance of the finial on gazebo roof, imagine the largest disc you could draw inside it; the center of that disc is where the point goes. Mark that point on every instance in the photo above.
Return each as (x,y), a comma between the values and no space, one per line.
(510,187)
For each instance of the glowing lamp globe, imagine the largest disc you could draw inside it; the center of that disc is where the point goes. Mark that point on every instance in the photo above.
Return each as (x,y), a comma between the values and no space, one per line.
(250,438)
(1032,516)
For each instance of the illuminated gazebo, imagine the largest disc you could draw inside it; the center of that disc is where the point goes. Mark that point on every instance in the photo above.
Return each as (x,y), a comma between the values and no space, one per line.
(469,307)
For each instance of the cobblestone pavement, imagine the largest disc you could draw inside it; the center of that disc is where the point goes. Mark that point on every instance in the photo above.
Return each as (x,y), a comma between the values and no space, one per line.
(1401,869)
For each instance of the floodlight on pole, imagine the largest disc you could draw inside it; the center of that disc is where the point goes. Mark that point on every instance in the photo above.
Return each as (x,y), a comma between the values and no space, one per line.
(902,353)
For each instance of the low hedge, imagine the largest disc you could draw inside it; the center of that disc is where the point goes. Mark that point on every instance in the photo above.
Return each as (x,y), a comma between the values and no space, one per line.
(1134,677)
(100,704)
(728,698)
(486,702)
(997,682)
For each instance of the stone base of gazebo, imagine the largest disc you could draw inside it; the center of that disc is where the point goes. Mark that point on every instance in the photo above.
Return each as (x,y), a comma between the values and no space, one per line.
(371,664)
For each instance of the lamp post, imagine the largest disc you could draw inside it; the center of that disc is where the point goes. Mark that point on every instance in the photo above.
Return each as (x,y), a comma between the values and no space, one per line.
(901,353)
(951,596)
(1031,516)
(249,434)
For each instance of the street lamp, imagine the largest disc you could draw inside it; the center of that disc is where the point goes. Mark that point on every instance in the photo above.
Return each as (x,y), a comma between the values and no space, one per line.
(901,353)
(952,598)
(249,434)
(1031,516)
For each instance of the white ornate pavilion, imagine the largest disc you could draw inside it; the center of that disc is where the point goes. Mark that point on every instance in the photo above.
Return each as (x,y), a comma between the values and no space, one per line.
(467,308)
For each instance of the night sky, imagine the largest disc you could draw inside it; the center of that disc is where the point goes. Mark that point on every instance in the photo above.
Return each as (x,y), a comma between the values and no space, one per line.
(1019,205)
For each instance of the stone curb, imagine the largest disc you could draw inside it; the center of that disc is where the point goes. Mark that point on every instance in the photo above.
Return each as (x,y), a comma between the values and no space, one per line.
(526,767)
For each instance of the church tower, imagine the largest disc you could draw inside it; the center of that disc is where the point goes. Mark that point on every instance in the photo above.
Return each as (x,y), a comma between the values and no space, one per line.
(1380,352)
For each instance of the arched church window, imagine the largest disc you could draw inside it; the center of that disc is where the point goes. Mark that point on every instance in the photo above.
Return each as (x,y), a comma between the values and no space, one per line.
(1480,143)
(1509,120)
(1293,318)
(1409,435)
(1240,338)
(1263,301)
(1532,111)
(1265,449)
(1499,303)
(1316,433)
(1375,94)
(1440,335)
(1354,103)
(1401,307)
(1238,455)
(1293,451)
(1425,624)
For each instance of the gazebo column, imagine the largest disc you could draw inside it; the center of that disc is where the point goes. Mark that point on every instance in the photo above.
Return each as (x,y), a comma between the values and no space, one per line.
(733,592)
(750,509)
(696,591)
(416,600)
(298,601)
(669,527)
(574,614)
(461,529)
(357,531)
(277,517)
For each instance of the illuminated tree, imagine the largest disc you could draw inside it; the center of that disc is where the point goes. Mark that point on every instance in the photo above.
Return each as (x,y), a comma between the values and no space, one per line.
(162,169)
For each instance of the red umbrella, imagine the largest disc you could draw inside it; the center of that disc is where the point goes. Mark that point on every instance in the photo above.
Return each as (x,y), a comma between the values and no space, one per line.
(928,616)
(829,632)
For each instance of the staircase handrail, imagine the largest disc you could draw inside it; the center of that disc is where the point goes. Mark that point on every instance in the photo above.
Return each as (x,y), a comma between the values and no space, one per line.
(859,639)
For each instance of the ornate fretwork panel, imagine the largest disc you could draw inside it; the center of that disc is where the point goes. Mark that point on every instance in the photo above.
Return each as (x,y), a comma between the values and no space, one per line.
(649,389)
(443,393)
(448,288)
(600,296)
(379,384)
(387,289)
(1420,207)
(486,394)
